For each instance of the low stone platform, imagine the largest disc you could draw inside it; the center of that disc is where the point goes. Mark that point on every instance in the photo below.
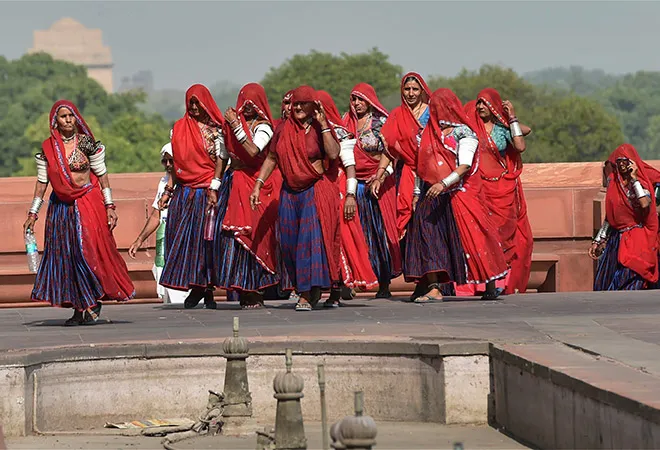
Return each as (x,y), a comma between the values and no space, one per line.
(567,370)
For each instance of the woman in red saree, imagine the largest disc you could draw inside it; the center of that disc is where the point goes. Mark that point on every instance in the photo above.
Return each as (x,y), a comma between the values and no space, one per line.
(627,244)
(451,206)
(245,249)
(365,121)
(355,267)
(305,148)
(502,140)
(81,265)
(200,158)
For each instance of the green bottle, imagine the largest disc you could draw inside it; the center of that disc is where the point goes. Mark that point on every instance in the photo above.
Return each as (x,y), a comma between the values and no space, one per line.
(160,244)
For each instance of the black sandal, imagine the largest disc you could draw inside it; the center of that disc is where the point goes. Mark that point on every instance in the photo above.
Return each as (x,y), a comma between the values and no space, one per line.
(92,315)
(75,320)
(209,301)
(193,298)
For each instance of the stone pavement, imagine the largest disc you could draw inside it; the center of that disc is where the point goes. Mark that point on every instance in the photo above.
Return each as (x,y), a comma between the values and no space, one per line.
(409,436)
(620,325)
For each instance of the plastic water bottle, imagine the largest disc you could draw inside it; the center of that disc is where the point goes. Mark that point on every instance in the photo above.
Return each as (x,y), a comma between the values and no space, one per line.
(32,252)
(160,244)
(209,225)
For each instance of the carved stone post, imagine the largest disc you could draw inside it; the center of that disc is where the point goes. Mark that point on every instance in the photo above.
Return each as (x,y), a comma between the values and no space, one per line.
(289,429)
(355,432)
(237,413)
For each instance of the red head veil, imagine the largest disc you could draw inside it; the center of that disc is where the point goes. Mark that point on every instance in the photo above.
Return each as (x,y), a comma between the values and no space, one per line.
(638,249)
(59,173)
(255,95)
(192,163)
(436,159)
(492,165)
(400,130)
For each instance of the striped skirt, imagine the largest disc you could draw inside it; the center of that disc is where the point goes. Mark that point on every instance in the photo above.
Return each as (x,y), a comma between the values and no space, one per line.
(233,266)
(433,244)
(611,275)
(374,233)
(301,241)
(64,278)
(188,257)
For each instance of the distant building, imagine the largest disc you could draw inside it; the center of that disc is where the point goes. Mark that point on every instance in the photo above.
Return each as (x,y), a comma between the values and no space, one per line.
(141,81)
(69,40)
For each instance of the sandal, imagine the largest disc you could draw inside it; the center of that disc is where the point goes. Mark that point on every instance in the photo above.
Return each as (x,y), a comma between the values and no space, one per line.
(492,295)
(209,302)
(76,319)
(91,316)
(258,305)
(427,299)
(332,304)
(303,306)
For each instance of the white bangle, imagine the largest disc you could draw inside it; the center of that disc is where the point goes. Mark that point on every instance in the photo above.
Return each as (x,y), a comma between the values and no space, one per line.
(389,170)
(107,196)
(639,190)
(515,129)
(259,180)
(351,186)
(97,162)
(451,179)
(36,205)
(215,184)
(42,169)
(240,134)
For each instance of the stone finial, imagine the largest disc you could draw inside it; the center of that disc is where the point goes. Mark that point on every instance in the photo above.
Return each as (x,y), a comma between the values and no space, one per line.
(235,346)
(355,432)
(288,382)
(289,427)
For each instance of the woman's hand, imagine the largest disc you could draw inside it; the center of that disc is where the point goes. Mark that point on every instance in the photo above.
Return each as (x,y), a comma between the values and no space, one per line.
(508,108)
(112,218)
(164,201)
(254,197)
(435,190)
(231,116)
(29,224)
(596,250)
(350,206)
(319,115)
(633,170)
(211,199)
(135,246)
(375,187)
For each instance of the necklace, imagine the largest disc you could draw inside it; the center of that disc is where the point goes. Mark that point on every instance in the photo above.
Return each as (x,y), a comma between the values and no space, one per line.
(68,139)
(367,121)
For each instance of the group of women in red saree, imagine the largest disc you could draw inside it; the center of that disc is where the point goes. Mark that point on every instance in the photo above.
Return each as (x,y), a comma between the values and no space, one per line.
(315,202)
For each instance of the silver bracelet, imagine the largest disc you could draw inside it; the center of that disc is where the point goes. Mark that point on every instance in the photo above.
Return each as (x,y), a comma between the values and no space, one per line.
(602,233)
(107,196)
(351,186)
(639,190)
(451,179)
(215,184)
(36,205)
(515,129)
(259,180)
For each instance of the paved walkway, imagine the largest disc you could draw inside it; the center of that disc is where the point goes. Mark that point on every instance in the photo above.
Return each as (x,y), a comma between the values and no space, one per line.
(622,326)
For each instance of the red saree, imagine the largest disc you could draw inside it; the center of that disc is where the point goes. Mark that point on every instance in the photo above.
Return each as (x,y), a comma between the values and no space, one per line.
(638,247)
(366,167)
(192,164)
(355,267)
(400,133)
(253,229)
(299,174)
(98,243)
(436,159)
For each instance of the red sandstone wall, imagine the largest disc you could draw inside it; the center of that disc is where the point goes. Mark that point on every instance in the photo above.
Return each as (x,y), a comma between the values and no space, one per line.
(560,200)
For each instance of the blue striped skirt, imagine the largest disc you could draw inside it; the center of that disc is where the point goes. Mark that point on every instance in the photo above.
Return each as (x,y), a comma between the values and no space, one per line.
(188,257)
(234,266)
(301,241)
(433,243)
(64,278)
(371,220)
(611,275)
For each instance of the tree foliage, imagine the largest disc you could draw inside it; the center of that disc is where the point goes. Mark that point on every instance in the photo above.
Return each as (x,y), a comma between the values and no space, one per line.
(335,74)
(28,88)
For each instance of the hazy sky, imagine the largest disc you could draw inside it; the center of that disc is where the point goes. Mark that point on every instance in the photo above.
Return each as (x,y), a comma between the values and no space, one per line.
(183,42)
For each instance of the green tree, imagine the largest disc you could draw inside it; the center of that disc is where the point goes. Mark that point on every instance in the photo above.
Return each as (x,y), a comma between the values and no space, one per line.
(335,74)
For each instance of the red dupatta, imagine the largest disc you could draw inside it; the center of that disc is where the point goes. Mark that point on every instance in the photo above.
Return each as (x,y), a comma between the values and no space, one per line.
(638,247)
(192,164)
(59,173)
(493,164)
(253,229)
(300,174)
(437,157)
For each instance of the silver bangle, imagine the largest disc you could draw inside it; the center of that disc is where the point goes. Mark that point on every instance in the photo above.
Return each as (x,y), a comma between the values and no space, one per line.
(259,180)
(451,179)
(107,196)
(639,190)
(602,233)
(515,129)
(351,186)
(215,184)
(36,205)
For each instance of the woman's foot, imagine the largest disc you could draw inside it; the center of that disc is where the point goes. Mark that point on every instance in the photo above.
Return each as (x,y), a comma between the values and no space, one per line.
(209,302)
(383,291)
(76,319)
(347,293)
(193,299)
(303,305)
(420,289)
(333,300)
(315,296)
(433,295)
(91,316)
(492,292)
(251,300)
